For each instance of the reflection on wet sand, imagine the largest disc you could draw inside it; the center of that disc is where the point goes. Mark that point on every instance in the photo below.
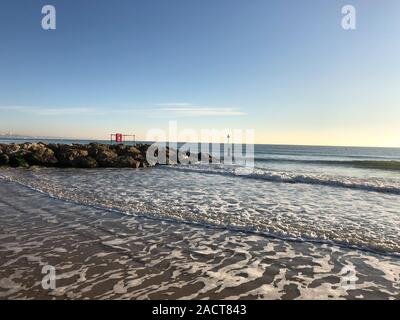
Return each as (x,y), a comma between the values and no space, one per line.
(99,254)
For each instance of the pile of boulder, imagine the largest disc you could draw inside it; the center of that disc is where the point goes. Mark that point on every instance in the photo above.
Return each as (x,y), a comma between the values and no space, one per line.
(91,155)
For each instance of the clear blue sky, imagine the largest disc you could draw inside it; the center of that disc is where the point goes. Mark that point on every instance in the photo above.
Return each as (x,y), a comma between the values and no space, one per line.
(284,68)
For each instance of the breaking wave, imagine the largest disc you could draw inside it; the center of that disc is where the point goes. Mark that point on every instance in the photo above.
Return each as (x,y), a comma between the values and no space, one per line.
(231,199)
(392,165)
(374,185)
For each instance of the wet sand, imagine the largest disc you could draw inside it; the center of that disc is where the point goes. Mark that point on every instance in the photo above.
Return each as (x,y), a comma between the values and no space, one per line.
(100,254)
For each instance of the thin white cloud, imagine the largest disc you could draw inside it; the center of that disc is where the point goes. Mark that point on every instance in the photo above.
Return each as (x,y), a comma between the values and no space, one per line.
(174,104)
(12,108)
(65,111)
(175,109)
(202,112)
(186,109)
(51,111)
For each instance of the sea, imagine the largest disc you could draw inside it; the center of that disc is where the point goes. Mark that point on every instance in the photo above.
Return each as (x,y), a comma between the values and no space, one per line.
(343,199)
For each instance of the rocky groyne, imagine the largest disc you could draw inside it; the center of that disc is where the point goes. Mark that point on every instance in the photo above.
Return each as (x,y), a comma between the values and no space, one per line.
(91,155)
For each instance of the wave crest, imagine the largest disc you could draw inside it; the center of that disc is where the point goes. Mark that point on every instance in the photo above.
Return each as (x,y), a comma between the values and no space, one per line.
(373,185)
(392,165)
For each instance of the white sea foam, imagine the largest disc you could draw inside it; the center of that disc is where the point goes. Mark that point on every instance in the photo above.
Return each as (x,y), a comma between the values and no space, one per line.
(370,184)
(301,211)
(101,255)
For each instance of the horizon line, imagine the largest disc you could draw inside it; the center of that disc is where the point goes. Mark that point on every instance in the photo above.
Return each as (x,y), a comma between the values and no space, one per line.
(182,142)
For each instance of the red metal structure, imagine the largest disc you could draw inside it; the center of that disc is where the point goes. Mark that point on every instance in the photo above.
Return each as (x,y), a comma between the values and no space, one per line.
(118,138)
(121,138)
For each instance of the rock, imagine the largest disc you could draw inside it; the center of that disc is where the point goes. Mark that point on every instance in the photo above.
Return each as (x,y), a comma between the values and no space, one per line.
(133,150)
(183,158)
(95,148)
(106,158)
(53,146)
(87,156)
(12,148)
(142,148)
(70,156)
(17,161)
(204,157)
(82,153)
(144,164)
(86,162)
(33,146)
(4,159)
(120,149)
(140,157)
(127,162)
(2,148)
(42,156)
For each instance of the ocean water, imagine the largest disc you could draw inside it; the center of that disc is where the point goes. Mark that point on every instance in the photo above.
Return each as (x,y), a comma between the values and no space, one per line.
(290,228)
(337,195)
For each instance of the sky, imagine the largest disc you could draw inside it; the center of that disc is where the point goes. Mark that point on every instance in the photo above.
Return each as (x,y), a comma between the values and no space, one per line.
(285,69)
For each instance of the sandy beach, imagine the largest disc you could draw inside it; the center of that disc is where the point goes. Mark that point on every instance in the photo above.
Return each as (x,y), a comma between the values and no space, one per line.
(100,254)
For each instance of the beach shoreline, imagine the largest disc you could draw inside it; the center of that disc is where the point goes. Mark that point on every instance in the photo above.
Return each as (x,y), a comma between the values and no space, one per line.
(98,254)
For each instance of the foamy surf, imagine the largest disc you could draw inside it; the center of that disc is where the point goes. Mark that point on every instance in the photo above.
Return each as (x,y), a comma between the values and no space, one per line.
(292,211)
(370,184)
(391,165)
(101,255)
